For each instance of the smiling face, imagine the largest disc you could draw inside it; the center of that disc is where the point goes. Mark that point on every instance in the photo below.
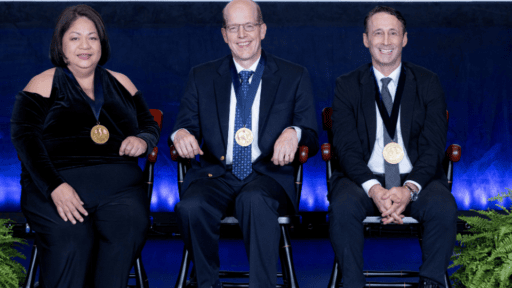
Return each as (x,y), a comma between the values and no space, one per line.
(245,46)
(81,45)
(385,39)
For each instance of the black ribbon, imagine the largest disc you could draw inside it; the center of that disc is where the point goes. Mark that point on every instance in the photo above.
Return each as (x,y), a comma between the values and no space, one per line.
(390,120)
(245,105)
(98,101)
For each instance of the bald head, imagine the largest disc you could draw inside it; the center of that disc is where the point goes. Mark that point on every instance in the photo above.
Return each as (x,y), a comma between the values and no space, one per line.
(243,31)
(239,5)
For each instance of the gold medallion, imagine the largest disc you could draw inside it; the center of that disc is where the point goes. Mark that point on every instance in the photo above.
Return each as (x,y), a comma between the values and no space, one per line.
(393,153)
(99,134)
(244,137)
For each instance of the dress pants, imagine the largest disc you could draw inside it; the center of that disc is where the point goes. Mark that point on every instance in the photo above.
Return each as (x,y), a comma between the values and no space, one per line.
(102,249)
(435,209)
(258,200)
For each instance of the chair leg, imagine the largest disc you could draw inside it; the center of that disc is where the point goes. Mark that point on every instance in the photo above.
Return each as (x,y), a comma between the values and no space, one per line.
(181,282)
(141,277)
(30,279)
(447,279)
(335,275)
(284,262)
(289,276)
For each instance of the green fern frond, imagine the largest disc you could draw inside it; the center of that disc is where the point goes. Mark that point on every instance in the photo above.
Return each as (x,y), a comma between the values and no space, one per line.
(506,272)
(477,224)
(475,240)
(501,196)
(504,247)
(484,257)
(12,273)
(503,208)
(494,217)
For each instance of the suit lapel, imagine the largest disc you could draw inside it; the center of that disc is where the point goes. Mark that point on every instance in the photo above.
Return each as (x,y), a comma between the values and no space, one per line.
(269,84)
(222,86)
(407,105)
(369,89)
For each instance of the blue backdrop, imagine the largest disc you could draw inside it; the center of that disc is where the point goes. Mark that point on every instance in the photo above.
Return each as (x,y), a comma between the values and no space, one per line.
(156,43)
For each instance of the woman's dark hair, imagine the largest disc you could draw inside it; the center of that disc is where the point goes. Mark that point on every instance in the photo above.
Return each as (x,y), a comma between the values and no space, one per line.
(66,18)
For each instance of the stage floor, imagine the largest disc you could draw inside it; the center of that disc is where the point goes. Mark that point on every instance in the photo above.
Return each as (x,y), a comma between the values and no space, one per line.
(313,258)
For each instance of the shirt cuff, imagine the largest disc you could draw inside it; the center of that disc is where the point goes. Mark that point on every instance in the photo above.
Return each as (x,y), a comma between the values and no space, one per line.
(415,183)
(174,134)
(297,129)
(369,184)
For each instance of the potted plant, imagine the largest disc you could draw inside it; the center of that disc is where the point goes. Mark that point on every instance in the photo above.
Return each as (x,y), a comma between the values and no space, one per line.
(12,273)
(484,256)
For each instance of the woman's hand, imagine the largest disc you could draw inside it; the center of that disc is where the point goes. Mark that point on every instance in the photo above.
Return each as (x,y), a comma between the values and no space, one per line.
(69,206)
(133,146)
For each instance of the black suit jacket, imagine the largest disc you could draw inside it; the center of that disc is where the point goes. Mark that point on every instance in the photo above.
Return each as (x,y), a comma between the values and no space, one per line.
(422,119)
(286,100)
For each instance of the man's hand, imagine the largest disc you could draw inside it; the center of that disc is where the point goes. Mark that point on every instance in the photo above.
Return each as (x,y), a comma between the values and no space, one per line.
(68,203)
(186,144)
(400,196)
(380,197)
(133,146)
(285,147)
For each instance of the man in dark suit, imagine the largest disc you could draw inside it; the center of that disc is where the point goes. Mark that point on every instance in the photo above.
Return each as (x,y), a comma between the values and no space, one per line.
(250,111)
(389,127)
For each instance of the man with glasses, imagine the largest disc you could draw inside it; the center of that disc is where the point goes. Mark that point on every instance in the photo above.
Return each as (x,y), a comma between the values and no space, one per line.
(250,110)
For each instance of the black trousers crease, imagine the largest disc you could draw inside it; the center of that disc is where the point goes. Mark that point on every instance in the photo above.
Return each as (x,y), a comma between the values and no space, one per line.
(100,251)
(435,209)
(258,200)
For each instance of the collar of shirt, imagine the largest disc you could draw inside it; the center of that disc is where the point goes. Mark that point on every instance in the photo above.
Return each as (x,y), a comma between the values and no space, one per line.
(395,75)
(252,68)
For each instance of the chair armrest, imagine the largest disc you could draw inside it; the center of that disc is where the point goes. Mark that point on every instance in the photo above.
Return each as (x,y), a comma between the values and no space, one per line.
(303,154)
(453,152)
(326,152)
(174,153)
(153,155)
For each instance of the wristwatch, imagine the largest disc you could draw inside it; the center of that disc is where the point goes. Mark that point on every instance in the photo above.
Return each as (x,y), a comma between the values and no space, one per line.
(414,193)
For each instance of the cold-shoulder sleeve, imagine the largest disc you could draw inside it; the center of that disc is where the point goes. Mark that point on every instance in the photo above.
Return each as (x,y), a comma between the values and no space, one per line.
(149,130)
(27,123)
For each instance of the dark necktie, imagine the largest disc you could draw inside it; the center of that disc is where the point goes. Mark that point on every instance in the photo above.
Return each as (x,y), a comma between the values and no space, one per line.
(392,174)
(242,164)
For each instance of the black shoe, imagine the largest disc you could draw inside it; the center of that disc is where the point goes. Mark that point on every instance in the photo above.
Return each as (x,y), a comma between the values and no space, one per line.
(428,283)
(217,284)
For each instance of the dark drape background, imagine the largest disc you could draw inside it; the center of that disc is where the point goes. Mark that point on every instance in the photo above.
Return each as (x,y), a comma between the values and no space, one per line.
(156,43)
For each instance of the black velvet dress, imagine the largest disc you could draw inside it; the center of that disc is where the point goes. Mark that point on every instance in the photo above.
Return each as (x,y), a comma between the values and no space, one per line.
(52,137)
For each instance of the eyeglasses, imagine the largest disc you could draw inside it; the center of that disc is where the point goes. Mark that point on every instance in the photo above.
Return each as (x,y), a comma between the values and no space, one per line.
(248,27)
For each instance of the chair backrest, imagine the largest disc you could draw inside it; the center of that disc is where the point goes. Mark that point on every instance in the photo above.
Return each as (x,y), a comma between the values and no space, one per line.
(158,115)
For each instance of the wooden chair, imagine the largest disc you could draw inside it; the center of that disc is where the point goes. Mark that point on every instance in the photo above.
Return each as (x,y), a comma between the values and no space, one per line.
(285,251)
(453,154)
(140,276)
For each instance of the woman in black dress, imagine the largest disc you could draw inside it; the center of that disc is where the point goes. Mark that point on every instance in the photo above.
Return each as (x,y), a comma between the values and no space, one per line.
(78,129)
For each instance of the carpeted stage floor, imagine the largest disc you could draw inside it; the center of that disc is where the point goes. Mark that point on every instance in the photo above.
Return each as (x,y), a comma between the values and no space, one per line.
(313,257)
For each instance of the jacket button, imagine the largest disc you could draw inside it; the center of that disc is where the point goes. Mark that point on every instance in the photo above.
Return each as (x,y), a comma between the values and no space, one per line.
(210,175)
(221,158)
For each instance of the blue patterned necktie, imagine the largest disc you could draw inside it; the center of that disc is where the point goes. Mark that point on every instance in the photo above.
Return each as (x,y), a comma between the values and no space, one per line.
(242,164)
(391,171)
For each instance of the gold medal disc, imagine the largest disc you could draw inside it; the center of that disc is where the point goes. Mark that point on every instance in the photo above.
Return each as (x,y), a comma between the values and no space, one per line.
(244,137)
(99,134)
(393,153)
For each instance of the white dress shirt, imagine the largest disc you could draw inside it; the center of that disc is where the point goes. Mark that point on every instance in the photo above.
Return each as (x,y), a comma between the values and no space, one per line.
(376,163)
(255,117)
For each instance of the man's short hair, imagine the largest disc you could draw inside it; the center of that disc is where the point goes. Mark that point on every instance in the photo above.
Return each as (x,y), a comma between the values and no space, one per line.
(66,19)
(385,9)
(258,11)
